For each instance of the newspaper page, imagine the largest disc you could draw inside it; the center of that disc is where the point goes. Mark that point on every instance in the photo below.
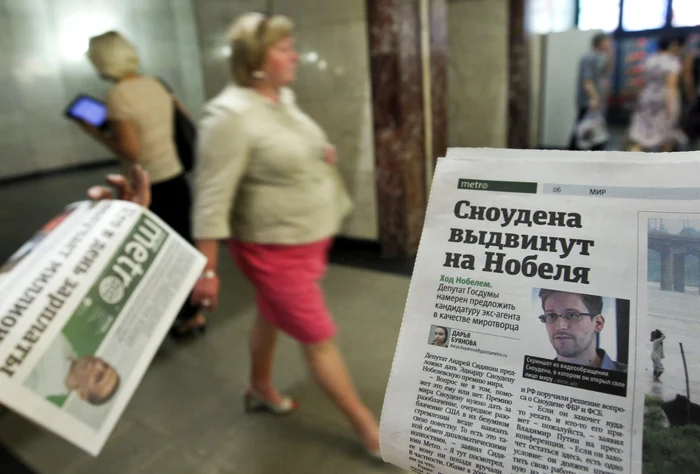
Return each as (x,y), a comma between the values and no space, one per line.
(85,305)
(552,319)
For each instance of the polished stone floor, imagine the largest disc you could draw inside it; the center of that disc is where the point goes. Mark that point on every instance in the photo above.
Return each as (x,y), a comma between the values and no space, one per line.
(187,415)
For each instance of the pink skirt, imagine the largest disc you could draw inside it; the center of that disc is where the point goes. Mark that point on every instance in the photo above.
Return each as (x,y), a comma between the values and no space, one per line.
(286,280)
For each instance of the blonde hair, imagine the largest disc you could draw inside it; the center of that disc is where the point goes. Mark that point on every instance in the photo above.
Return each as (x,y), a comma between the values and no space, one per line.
(113,55)
(250,37)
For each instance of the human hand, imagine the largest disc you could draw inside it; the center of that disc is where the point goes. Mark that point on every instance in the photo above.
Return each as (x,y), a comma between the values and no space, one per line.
(90,129)
(206,291)
(330,156)
(139,193)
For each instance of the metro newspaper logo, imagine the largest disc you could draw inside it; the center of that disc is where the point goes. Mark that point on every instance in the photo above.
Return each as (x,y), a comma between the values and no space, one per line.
(498,186)
(102,305)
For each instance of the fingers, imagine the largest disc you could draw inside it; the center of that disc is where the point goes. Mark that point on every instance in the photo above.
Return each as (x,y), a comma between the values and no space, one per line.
(99,193)
(330,154)
(124,190)
(142,184)
(206,293)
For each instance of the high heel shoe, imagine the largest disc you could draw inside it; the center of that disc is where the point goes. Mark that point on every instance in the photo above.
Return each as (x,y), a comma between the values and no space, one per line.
(179,334)
(254,402)
(182,330)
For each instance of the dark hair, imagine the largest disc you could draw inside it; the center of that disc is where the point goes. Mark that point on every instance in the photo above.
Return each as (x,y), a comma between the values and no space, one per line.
(594,304)
(598,39)
(447,331)
(666,41)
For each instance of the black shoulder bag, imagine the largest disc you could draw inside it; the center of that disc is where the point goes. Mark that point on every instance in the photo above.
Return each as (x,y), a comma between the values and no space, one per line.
(184,133)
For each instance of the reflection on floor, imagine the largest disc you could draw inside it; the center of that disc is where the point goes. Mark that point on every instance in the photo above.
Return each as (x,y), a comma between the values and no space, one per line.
(187,417)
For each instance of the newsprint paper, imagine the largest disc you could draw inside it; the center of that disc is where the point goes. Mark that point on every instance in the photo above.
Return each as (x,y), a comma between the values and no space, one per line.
(552,323)
(85,305)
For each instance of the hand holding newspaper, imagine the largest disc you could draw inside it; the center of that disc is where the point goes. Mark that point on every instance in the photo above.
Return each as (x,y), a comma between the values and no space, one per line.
(527,343)
(85,305)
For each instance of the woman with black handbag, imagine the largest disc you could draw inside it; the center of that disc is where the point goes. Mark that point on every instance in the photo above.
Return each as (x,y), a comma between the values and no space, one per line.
(149,127)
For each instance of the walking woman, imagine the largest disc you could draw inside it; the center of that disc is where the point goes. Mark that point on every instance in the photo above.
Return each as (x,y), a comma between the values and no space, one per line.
(266,182)
(657,353)
(656,118)
(141,114)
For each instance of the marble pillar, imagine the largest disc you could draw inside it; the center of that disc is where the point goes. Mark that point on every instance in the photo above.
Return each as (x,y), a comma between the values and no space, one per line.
(407,140)
(438,73)
(397,109)
(518,77)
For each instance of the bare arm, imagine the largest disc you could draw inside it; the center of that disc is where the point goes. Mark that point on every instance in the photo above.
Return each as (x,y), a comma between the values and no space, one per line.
(210,250)
(222,156)
(593,96)
(124,142)
(127,141)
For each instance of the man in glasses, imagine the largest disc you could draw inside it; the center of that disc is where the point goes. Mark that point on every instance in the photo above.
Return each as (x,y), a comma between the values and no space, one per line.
(573,322)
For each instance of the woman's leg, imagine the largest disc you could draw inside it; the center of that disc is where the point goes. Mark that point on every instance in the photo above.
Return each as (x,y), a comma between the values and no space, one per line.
(329,370)
(263,340)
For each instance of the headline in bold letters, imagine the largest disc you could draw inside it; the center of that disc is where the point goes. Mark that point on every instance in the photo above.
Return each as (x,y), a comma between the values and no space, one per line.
(496,243)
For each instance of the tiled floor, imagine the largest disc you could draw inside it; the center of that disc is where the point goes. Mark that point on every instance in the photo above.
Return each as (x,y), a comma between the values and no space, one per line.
(187,416)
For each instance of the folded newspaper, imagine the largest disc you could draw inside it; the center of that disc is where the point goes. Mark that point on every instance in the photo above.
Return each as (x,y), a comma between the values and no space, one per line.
(552,319)
(85,305)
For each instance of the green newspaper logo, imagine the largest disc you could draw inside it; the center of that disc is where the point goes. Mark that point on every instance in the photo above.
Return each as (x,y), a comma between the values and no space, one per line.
(92,320)
(498,186)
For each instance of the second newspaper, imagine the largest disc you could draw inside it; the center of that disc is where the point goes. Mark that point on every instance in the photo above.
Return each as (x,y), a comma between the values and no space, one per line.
(551,324)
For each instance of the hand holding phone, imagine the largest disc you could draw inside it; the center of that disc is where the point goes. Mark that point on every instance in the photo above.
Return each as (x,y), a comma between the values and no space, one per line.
(91,113)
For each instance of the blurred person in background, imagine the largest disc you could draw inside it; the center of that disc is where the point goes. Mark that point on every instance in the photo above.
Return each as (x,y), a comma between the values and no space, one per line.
(656,119)
(595,68)
(141,120)
(691,94)
(266,181)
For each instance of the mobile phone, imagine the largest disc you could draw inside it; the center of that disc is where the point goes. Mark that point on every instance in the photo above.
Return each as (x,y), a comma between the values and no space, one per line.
(88,109)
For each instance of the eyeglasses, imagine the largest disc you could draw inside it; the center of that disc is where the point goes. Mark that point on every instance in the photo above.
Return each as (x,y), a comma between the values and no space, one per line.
(574,316)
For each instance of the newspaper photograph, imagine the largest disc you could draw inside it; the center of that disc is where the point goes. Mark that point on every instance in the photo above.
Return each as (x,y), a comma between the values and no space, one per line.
(551,321)
(85,305)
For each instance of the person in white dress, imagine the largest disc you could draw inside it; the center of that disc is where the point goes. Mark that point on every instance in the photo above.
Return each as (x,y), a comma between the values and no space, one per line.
(657,352)
(656,119)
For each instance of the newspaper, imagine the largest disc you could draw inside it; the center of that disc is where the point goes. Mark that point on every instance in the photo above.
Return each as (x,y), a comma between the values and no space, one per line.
(85,305)
(552,310)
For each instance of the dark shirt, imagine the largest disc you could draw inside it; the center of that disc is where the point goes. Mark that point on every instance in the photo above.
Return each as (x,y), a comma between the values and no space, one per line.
(609,364)
(606,363)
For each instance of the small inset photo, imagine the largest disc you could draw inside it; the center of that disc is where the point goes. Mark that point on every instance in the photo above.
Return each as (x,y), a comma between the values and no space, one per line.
(439,336)
(583,340)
